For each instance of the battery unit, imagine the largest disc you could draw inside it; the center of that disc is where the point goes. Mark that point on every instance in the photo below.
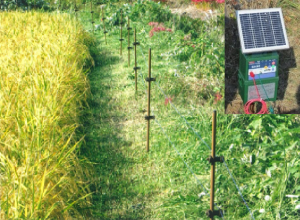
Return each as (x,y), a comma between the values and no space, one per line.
(263,65)
(267,88)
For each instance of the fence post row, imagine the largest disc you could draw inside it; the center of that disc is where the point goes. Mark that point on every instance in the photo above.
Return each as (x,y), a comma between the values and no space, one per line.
(129,47)
(212,159)
(104,31)
(121,39)
(135,68)
(148,117)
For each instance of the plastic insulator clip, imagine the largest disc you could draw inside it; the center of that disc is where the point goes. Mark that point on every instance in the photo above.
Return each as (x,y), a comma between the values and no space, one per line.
(149,117)
(212,160)
(129,28)
(92,12)
(103,19)
(136,68)
(121,23)
(150,79)
(136,43)
(121,39)
(76,10)
(129,48)
(211,214)
(93,22)
(105,32)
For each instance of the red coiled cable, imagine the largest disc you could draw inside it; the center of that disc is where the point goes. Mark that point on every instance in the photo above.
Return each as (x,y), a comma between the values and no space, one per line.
(264,108)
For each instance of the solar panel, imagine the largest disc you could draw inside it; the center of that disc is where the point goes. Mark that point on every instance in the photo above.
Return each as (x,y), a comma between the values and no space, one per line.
(261,30)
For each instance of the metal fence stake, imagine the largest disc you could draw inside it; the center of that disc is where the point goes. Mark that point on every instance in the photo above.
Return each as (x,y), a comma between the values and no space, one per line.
(148,117)
(129,48)
(135,43)
(212,159)
(92,12)
(121,39)
(104,25)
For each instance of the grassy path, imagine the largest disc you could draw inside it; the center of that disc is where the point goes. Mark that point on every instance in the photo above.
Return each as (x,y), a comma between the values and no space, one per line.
(131,184)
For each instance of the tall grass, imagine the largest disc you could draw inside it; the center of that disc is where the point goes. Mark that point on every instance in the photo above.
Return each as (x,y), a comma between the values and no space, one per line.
(43,91)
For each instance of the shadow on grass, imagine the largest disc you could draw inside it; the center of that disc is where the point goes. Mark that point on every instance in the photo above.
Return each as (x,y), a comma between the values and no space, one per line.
(102,123)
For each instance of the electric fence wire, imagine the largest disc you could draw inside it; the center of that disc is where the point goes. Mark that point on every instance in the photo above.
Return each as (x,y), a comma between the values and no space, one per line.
(186,164)
(196,133)
(206,145)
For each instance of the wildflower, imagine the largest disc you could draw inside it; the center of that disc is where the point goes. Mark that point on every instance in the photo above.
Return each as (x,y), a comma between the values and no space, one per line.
(168,100)
(218,97)
(297,207)
(201,194)
(267,198)
(261,210)
(268,172)
(231,146)
(193,45)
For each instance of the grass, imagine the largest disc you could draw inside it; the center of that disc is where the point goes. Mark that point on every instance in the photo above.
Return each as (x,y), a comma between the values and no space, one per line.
(43,94)
(133,184)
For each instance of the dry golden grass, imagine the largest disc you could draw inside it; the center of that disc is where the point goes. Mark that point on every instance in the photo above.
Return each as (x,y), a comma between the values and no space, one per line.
(43,89)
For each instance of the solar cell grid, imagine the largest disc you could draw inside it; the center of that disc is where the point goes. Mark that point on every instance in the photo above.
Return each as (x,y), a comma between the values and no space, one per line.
(261,30)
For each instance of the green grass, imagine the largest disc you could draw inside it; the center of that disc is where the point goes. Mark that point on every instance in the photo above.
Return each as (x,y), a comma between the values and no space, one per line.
(134,184)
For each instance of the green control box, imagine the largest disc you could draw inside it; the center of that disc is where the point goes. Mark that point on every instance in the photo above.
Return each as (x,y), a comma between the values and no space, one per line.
(263,65)
(267,88)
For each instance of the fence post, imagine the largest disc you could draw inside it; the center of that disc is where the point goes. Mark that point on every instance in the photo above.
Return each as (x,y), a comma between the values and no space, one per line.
(135,43)
(129,47)
(76,10)
(121,39)
(92,12)
(104,25)
(148,117)
(212,159)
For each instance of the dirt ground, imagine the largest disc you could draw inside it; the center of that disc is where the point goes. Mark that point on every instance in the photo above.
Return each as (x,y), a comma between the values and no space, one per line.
(288,96)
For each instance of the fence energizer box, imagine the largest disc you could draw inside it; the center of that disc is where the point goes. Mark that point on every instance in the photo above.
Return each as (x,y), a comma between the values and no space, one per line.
(263,65)
(261,33)
(267,88)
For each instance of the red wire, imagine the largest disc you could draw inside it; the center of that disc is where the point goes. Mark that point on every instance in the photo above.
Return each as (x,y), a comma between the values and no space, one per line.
(264,108)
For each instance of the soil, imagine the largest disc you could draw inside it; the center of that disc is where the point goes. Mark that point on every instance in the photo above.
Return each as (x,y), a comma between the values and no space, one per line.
(288,96)
(190,10)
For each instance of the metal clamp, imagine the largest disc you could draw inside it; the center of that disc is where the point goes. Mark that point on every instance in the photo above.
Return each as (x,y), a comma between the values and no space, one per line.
(212,160)
(121,39)
(76,10)
(136,43)
(105,32)
(93,22)
(92,11)
(136,68)
(211,214)
(129,28)
(103,19)
(121,23)
(151,79)
(149,117)
(129,48)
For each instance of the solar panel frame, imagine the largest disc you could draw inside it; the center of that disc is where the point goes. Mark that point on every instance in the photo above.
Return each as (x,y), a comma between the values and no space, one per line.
(261,38)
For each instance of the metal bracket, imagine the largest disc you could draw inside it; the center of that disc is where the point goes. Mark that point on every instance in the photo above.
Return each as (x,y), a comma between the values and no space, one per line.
(211,214)
(129,48)
(151,79)
(136,68)
(212,160)
(149,117)
(121,39)
(136,43)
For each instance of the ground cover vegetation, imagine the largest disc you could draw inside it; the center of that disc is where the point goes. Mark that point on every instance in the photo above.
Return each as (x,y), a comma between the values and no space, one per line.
(262,152)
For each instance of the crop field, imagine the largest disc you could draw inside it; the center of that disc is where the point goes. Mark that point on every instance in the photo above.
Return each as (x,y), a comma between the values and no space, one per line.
(83,134)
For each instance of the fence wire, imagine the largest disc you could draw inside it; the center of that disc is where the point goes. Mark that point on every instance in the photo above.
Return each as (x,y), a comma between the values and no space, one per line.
(199,136)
